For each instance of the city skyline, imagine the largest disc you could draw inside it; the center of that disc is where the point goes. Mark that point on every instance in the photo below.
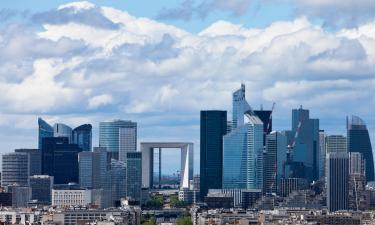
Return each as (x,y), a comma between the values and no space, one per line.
(180,69)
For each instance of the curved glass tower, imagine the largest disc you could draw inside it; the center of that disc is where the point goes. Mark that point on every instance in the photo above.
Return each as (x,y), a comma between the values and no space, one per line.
(359,141)
(44,130)
(62,130)
(82,136)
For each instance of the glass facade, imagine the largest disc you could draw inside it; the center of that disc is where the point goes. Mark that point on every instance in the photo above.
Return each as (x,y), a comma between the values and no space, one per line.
(109,135)
(60,160)
(306,149)
(127,140)
(336,143)
(359,141)
(44,130)
(134,175)
(82,136)
(62,130)
(213,126)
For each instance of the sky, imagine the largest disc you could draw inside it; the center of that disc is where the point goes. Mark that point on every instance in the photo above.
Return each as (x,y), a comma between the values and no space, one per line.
(160,62)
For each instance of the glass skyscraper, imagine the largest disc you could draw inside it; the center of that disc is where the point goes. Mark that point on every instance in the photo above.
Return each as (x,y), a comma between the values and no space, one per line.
(306,149)
(213,126)
(63,130)
(82,136)
(243,147)
(44,130)
(336,143)
(359,141)
(109,137)
(60,160)
(134,175)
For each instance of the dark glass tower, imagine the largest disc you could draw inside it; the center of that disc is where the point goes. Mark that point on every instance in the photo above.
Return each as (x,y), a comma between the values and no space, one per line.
(213,128)
(265,117)
(60,159)
(82,136)
(359,141)
(44,130)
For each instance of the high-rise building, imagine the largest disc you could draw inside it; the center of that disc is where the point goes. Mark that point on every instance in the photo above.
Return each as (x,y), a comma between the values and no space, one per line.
(322,154)
(60,159)
(337,176)
(82,136)
(44,130)
(85,163)
(265,117)
(117,181)
(213,126)
(336,143)
(357,182)
(109,136)
(35,160)
(306,148)
(127,140)
(20,195)
(62,130)
(243,147)
(274,161)
(359,141)
(15,169)
(134,175)
(41,186)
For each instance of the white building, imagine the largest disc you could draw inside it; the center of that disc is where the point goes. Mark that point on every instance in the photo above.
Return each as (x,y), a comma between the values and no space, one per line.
(66,198)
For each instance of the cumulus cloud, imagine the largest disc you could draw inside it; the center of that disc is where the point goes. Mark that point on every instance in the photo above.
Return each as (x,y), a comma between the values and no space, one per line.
(155,72)
(187,9)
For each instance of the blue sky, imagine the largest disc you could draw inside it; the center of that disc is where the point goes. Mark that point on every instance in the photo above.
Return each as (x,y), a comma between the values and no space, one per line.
(160,62)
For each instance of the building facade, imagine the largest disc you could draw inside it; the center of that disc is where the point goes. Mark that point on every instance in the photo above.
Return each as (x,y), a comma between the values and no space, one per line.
(336,143)
(109,136)
(127,140)
(82,136)
(15,169)
(41,188)
(35,160)
(337,178)
(44,130)
(359,141)
(134,175)
(63,130)
(213,126)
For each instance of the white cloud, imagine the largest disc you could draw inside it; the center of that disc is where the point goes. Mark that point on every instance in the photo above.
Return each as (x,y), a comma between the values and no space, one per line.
(100,100)
(146,67)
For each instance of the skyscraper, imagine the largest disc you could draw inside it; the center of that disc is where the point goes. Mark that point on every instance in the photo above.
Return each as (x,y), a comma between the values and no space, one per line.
(35,160)
(85,163)
(60,159)
(359,141)
(243,147)
(93,168)
(127,140)
(322,154)
(62,130)
(134,175)
(41,186)
(44,130)
(117,181)
(15,169)
(306,149)
(109,137)
(336,143)
(274,161)
(337,176)
(82,136)
(265,117)
(213,126)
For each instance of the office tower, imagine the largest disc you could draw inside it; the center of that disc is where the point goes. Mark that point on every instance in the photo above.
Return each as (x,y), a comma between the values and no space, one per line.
(93,167)
(213,126)
(229,127)
(35,160)
(274,161)
(359,141)
(41,186)
(44,130)
(265,117)
(336,143)
(134,175)
(62,130)
(15,169)
(60,159)
(337,176)
(82,136)
(21,195)
(322,154)
(357,182)
(127,140)
(243,147)
(109,137)
(306,148)
(117,181)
